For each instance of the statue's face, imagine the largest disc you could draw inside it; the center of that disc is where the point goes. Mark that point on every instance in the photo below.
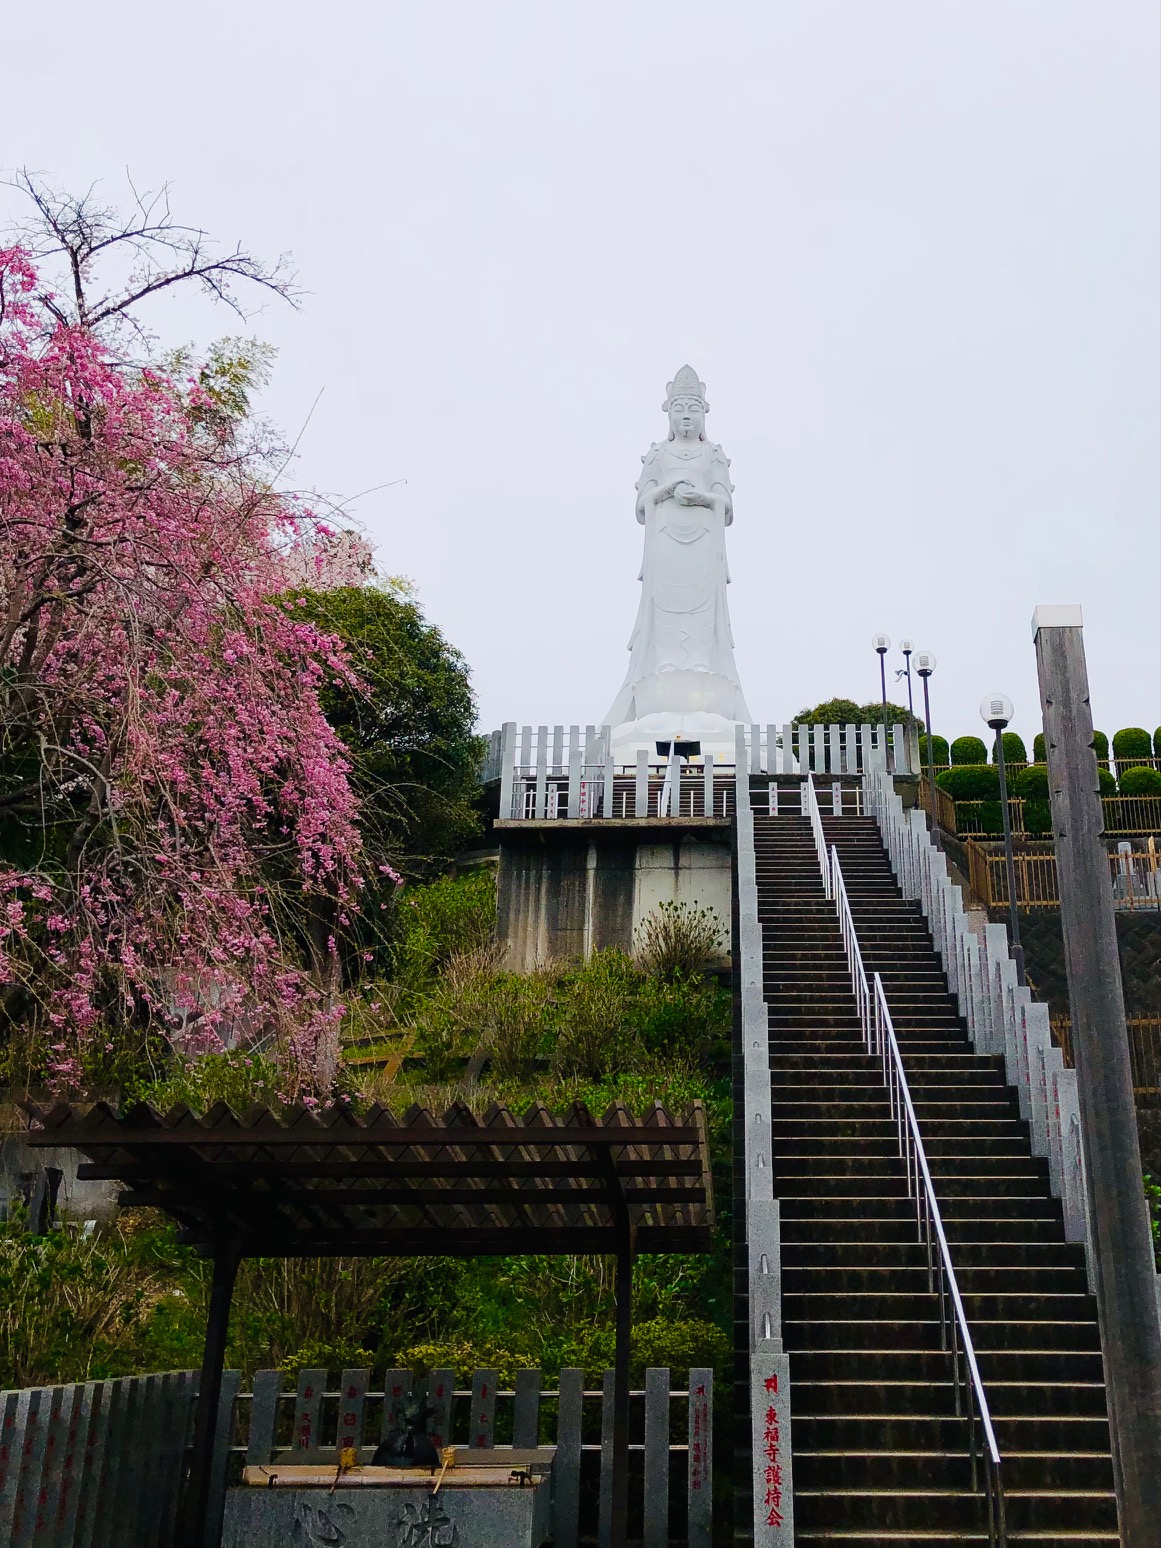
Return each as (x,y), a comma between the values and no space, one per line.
(687,418)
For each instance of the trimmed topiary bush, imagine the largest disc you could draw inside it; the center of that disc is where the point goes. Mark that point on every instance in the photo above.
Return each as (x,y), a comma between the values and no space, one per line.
(1039,748)
(1014,749)
(1132,742)
(1108,785)
(1157,743)
(970,781)
(1037,817)
(1140,781)
(968,749)
(939,747)
(1100,744)
(1032,783)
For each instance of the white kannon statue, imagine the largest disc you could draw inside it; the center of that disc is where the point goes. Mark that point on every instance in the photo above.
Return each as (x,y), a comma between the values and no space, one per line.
(682,680)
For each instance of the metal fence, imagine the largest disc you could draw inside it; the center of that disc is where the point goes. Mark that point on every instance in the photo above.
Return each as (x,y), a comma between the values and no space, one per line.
(98,1464)
(1144,1054)
(1134,876)
(671,1438)
(1129,815)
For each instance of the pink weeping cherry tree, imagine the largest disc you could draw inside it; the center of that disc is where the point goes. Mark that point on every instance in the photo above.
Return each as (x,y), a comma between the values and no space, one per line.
(179,842)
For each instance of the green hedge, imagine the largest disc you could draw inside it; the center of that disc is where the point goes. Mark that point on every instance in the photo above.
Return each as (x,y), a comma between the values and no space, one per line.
(968,749)
(1032,783)
(1039,748)
(1157,743)
(971,781)
(1100,744)
(1132,742)
(1140,781)
(1014,749)
(939,745)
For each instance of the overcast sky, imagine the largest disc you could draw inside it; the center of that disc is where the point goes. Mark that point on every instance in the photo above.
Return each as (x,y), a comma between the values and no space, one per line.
(912,249)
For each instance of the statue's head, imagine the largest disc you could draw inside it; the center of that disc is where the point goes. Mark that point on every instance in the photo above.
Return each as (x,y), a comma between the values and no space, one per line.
(686,406)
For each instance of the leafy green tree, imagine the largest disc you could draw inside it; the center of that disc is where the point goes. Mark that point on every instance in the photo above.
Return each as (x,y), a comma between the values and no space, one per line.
(409,732)
(843,712)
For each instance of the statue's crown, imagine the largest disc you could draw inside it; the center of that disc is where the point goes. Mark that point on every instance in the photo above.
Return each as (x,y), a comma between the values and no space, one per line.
(684,385)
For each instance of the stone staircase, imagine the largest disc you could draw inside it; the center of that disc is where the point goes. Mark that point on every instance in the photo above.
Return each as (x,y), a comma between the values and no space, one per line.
(880,1457)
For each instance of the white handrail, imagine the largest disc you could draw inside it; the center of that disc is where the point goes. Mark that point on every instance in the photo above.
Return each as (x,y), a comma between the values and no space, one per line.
(879,1037)
(810,796)
(838,891)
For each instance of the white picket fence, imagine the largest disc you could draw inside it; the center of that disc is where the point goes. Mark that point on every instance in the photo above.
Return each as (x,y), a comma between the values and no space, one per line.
(560,773)
(1001,1015)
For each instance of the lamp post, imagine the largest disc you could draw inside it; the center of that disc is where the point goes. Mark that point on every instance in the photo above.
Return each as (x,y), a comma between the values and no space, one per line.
(925,665)
(997,712)
(907,647)
(882,644)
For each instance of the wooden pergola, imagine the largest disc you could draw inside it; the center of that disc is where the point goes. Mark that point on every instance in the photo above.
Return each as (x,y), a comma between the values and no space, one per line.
(297,1184)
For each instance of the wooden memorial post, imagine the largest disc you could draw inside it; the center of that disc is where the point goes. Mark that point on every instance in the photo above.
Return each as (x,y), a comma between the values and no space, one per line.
(1119,1225)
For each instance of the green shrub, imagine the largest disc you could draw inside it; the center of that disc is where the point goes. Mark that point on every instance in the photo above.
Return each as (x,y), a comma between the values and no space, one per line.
(511,1011)
(968,749)
(684,1020)
(1157,743)
(1141,781)
(1014,749)
(1153,1200)
(678,940)
(1039,748)
(1132,742)
(1037,817)
(595,1030)
(238,1078)
(969,782)
(1032,783)
(1106,781)
(447,918)
(939,747)
(991,817)
(1100,744)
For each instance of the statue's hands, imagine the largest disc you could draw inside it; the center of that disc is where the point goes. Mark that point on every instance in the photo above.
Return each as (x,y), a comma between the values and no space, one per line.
(686,494)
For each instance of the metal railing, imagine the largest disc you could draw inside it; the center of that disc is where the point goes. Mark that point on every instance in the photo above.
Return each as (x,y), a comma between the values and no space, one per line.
(1134,876)
(1123,814)
(1144,1054)
(811,810)
(955,1335)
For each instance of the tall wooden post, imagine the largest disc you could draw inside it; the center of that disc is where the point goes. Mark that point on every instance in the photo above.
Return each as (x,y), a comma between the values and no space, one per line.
(1122,1248)
(227,1256)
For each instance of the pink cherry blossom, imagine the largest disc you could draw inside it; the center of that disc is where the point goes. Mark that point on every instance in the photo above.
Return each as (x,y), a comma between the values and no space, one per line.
(164,752)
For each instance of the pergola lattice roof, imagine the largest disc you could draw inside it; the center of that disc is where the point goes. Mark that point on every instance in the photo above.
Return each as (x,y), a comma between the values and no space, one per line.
(297,1183)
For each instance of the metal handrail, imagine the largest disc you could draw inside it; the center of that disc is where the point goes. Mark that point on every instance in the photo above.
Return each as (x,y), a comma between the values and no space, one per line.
(879,1037)
(810,796)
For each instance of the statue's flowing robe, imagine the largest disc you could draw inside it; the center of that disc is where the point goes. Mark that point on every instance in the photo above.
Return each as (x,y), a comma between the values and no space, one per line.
(681,653)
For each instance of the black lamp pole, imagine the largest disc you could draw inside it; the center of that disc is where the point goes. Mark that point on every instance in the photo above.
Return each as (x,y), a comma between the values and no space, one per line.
(925,665)
(998,722)
(882,645)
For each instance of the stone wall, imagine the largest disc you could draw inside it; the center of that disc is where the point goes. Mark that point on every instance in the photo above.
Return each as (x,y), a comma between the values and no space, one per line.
(1139,939)
(569,890)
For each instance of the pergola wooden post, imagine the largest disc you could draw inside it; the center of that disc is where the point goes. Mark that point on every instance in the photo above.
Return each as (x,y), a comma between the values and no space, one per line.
(297,1185)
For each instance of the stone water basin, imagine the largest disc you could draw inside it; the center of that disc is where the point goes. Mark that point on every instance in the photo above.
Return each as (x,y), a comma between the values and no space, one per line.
(478,1505)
